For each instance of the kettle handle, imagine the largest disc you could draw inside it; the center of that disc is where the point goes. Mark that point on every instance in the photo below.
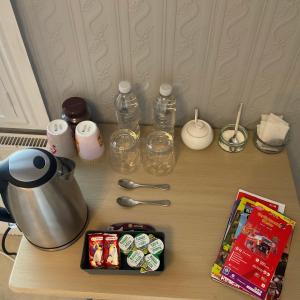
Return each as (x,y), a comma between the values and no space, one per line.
(5,216)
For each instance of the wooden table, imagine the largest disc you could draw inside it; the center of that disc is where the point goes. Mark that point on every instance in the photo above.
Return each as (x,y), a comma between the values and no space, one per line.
(203,187)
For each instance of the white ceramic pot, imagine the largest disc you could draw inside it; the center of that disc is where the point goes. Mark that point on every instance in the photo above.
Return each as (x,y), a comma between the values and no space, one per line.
(197,134)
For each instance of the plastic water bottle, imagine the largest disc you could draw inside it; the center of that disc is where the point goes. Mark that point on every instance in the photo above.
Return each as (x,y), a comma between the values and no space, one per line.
(164,109)
(127,108)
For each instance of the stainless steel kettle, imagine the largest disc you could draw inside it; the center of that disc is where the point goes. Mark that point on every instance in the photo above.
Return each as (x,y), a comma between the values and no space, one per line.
(43,198)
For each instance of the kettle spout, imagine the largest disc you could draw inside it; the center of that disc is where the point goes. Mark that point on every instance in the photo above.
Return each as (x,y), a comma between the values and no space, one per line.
(65,167)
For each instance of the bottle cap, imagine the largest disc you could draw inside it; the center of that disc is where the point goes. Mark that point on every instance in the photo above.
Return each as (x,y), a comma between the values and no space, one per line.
(124,87)
(165,89)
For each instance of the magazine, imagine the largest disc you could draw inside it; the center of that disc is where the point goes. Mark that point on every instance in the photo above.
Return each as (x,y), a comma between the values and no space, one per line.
(257,250)
(238,216)
(277,206)
(242,204)
(276,283)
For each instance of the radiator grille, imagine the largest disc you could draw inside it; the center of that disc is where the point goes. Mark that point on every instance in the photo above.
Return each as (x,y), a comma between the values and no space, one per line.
(22,140)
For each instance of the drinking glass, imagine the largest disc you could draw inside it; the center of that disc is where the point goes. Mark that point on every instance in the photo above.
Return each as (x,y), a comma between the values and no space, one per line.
(124,151)
(159,157)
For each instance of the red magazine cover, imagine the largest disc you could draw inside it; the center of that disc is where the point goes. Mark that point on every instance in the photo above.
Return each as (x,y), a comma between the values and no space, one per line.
(256,198)
(257,251)
(276,284)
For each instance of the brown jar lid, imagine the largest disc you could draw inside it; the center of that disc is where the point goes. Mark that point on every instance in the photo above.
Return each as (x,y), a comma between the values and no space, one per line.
(74,107)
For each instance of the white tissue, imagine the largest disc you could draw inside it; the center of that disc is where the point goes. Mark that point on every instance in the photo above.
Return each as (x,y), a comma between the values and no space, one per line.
(264,117)
(272,129)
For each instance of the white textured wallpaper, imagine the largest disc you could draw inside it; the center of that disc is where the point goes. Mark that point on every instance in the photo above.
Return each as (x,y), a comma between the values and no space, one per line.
(216,53)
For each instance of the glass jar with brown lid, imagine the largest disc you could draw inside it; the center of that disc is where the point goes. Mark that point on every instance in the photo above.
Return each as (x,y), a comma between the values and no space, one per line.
(74,111)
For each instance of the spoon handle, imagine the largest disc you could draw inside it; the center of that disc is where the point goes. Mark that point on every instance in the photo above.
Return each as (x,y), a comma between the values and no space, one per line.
(238,119)
(163,186)
(157,202)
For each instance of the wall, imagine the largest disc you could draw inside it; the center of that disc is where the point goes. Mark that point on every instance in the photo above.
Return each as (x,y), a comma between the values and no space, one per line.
(216,53)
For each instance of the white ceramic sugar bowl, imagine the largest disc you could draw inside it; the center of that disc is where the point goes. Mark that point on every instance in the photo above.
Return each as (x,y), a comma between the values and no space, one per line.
(197,134)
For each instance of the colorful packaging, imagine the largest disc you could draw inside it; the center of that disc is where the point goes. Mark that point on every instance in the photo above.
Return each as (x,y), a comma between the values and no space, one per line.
(233,228)
(111,251)
(242,207)
(96,242)
(256,253)
(126,243)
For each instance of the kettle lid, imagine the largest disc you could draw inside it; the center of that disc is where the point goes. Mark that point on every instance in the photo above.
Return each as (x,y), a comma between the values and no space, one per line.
(31,167)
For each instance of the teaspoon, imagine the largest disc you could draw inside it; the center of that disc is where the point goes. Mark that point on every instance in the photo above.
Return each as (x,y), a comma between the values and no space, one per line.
(129,202)
(129,184)
(234,140)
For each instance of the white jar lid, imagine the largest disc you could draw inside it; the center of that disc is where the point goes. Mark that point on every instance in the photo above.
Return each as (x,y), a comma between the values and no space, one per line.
(124,87)
(165,89)
(197,129)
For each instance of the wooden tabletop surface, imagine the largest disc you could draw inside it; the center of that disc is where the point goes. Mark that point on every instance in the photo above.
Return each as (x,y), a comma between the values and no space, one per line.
(203,187)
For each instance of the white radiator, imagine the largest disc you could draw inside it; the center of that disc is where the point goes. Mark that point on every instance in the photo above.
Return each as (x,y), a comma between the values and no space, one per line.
(11,142)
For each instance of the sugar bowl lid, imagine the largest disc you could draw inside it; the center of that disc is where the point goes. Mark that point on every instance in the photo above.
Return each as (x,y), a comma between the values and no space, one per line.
(197,134)
(197,128)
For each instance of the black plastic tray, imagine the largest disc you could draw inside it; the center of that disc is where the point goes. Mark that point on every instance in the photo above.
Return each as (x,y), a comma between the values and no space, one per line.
(124,268)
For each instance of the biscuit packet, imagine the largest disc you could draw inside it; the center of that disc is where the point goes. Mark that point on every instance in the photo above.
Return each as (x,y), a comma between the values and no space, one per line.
(111,251)
(96,243)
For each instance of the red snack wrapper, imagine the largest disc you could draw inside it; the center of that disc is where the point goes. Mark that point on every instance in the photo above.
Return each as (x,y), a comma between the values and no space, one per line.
(111,251)
(96,245)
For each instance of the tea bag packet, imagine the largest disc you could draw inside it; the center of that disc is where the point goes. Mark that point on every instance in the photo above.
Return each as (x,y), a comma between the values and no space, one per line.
(151,263)
(156,246)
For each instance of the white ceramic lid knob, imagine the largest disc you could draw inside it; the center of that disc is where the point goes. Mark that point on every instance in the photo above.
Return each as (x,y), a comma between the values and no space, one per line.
(124,87)
(165,89)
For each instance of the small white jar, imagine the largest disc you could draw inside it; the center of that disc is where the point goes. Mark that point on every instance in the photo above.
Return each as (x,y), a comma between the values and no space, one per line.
(197,134)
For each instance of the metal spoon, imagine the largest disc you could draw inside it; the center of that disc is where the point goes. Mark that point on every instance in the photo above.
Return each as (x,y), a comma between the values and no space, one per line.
(129,202)
(233,140)
(129,184)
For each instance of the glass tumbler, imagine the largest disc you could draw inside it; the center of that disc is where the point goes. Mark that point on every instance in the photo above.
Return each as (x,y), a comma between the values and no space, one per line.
(159,156)
(124,151)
